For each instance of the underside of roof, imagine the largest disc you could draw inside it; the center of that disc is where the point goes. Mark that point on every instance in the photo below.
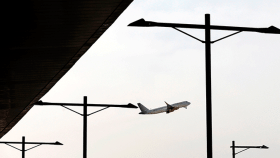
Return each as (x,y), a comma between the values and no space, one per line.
(42,41)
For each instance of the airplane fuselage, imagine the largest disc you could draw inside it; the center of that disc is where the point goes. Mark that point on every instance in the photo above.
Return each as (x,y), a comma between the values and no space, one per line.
(172,108)
(160,110)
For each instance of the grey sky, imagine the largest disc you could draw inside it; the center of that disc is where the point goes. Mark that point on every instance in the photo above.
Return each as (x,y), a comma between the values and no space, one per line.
(153,65)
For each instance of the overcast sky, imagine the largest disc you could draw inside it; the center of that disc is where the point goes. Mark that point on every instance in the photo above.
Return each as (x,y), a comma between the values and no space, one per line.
(153,65)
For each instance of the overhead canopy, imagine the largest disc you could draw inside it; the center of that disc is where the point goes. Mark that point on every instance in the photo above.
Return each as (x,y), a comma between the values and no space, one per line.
(42,41)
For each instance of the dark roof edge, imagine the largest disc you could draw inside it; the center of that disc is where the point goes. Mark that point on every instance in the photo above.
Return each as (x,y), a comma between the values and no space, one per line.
(105,25)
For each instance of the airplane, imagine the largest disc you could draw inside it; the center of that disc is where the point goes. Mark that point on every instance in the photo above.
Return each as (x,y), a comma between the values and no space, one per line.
(169,108)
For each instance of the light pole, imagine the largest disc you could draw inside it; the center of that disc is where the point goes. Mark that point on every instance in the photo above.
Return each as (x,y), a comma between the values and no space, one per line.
(23,142)
(85,114)
(207,27)
(246,148)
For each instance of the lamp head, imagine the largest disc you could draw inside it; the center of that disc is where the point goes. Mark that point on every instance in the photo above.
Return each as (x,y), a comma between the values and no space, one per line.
(264,147)
(40,102)
(140,23)
(132,106)
(271,29)
(58,143)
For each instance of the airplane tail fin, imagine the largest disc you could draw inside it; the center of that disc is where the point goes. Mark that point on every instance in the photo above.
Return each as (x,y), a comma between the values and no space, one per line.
(143,109)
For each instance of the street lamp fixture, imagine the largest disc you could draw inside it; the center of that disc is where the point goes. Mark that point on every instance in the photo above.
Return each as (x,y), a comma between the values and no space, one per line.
(246,148)
(85,114)
(23,142)
(207,27)
(144,23)
(57,143)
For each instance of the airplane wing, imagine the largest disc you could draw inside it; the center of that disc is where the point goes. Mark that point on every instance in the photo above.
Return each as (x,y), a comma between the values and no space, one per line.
(169,108)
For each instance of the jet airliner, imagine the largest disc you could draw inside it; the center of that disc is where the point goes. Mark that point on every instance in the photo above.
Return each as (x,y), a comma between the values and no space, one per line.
(169,108)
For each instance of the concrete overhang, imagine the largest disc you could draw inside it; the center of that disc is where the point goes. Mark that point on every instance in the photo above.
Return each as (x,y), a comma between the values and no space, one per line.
(42,41)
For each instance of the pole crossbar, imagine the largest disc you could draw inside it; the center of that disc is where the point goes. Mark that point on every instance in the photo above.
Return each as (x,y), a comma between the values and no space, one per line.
(188,34)
(143,23)
(41,103)
(13,146)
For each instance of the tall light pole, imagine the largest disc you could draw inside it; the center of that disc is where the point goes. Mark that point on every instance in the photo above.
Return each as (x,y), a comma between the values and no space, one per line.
(85,105)
(207,27)
(208,86)
(246,148)
(23,142)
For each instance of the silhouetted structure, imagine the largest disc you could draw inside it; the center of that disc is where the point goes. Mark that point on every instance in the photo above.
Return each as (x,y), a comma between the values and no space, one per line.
(23,142)
(207,27)
(246,148)
(85,105)
(41,41)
